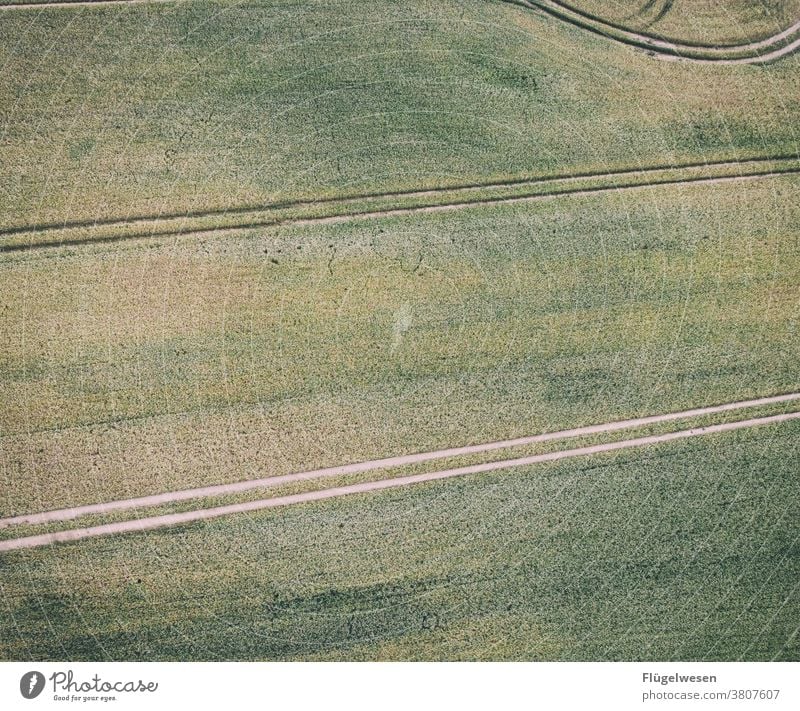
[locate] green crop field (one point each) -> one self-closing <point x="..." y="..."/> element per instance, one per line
<point x="175" y="107"/>
<point x="549" y="563"/>
<point x="250" y="239"/>
<point x="162" y="364"/>
<point x="697" y="21"/>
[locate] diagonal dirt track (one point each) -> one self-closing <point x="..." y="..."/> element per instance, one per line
<point x="707" y="168"/>
<point x="574" y="192"/>
<point x="377" y="464"/>
<point x="155" y="522"/>
<point x="303" y="212"/>
<point x="78" y="3"/>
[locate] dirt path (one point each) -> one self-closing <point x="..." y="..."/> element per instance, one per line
<point x="746" y="53"/>
<point x="376" y="464"/>
<point x="699" y="169"/>
<point x="447" y="199"/>
<point x="80" y="3"/>
<point x="759" y="52"/>
<point x="576" y="192"/>
<point x="145" y="524"/>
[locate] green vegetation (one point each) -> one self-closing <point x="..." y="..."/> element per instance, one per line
<point x="166" y="108"/>
<point x="387" y="204"/>
<point x="549" y="563"/>
<point x="708" y="22"/>
<point x="145" y="366"/>
<point x="134" y="363"/>
<point x="327" y="482"/>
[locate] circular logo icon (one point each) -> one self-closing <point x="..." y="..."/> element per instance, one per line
<point x="31" y="684"/>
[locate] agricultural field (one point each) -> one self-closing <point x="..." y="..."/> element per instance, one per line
<point x="165" y="364"/>
<point x="178" y="107"/>
<point x="254" y="240"/>
<point x="707" y="22"/>
<point x="546" y="563"/>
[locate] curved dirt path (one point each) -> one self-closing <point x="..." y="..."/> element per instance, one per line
<point x="762" y="51"/>
<point x="376" y="464"/>
<point x="673" y="41"/>
<point x="747" y="53"/>
<point x="153" y="522"/>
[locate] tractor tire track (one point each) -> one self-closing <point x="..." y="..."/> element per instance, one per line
<point x="549" y="187"/>
<point x="762" y="51"/>
<point x="745" y="53"/>
<point x="78" y="3"/>
<point x="155" y="522"/>
<point x="378" y="464"/>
